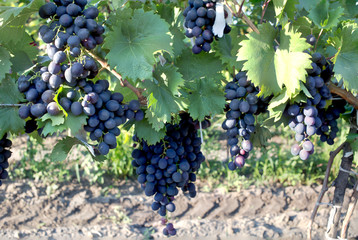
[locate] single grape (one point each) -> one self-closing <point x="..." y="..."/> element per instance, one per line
<point x="103" y="148"/>
<point x="47" y="10"/>
<point x="304" y="154"/>
<point x="295" y="149"/>
<point x="76" y="108"/>
<point x="38" y="110"/>
<point x="53" y="109"/>
<point x="24" y="112"/>
<point x="66" y="20"/>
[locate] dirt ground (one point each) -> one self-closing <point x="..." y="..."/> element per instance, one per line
<point x="84" y="211"/>
<point x="76" y="211"/>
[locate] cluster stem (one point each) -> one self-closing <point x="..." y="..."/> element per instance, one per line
<point x="123" y="82"/>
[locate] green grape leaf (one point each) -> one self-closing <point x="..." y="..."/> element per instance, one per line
<point x="270" y="69"/>
<point x="162" y="95"/>
<point x="10" y="121"/>
<point x="9" y="116"/>
<point x="306" y="4"/>
<point x="277" y="106"/>
<point x="74" y="123"/>
<point x="48" y="129"/>
<point x="305" y="26"/>
<point x="178" y="40"/>
<point x="133" y="41"/>
<point x="305" y="90"/>
<point x="195" y="66"/>
<point x="285" y="7"/>
<point x="118" y="3"/>
<point x="56" y="120"/>
<point x="5" y="63"/>
<point x="154" y="120"/>
<point x="174" y="18"/>
<point x="13" y="20"/>
<point x="345" y="42"/>
<point x="23" y="54"/>
<point x="324" y="16"/>
<point x="227" y="47"/>
<point x="144" y="130"/>
<point x="7" y="14"/>
<point x="350" y="7"/>
<point x="352" y="138"/>
<point x="170" y="76"/>
<point x="261" y="136"/>
<point x="206" y="99"/>
<point x="62" y="148"/>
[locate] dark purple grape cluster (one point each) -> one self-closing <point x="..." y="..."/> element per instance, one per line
<point x="106" y="111"/>
<point x="40" y="96"/>
<point x="313" y="117"/>
<point x="199" y="20"/>
<point x="240" y="121"/>
<point x="72" y="28"/>
<point x="170" y="164"/>
<point x="5" y="154"/>
<point x="72" y="24"/>
<point x="169" y="230"/>
<point x="329" y="129"/>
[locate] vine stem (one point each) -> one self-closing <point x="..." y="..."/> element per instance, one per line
<point x="242" y="15"/>
<point x="264" y="8"/>
<point x="349" y="97"/>
<point x="350" y="211"/>
<point x="319" y="35"/>
<point x="11" y="105"/>
<point x="324" y="189"/>
<point x="123" y="82"/>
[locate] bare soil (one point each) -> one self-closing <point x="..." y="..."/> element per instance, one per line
<point x="80" y="211"/>
<point x="84" y="211"/>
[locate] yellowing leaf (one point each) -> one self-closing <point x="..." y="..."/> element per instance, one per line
<point x="272" y="70"/>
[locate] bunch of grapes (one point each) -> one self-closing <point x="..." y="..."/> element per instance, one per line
<point x="72" y="25"/>
<point x="40" y="97"/>
<point x="72" y="28"/>
<point x="328" y="130"/>
<point x="5" y="154"/>
<point x="199" y="20"/>
<point x="168" y="165"/>
<point x="106" y="112"/>
<point x="240" y="120"/>
<point x="308" y="119"/>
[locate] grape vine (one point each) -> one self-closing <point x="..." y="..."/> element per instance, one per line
<point x="180" y="62"/>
